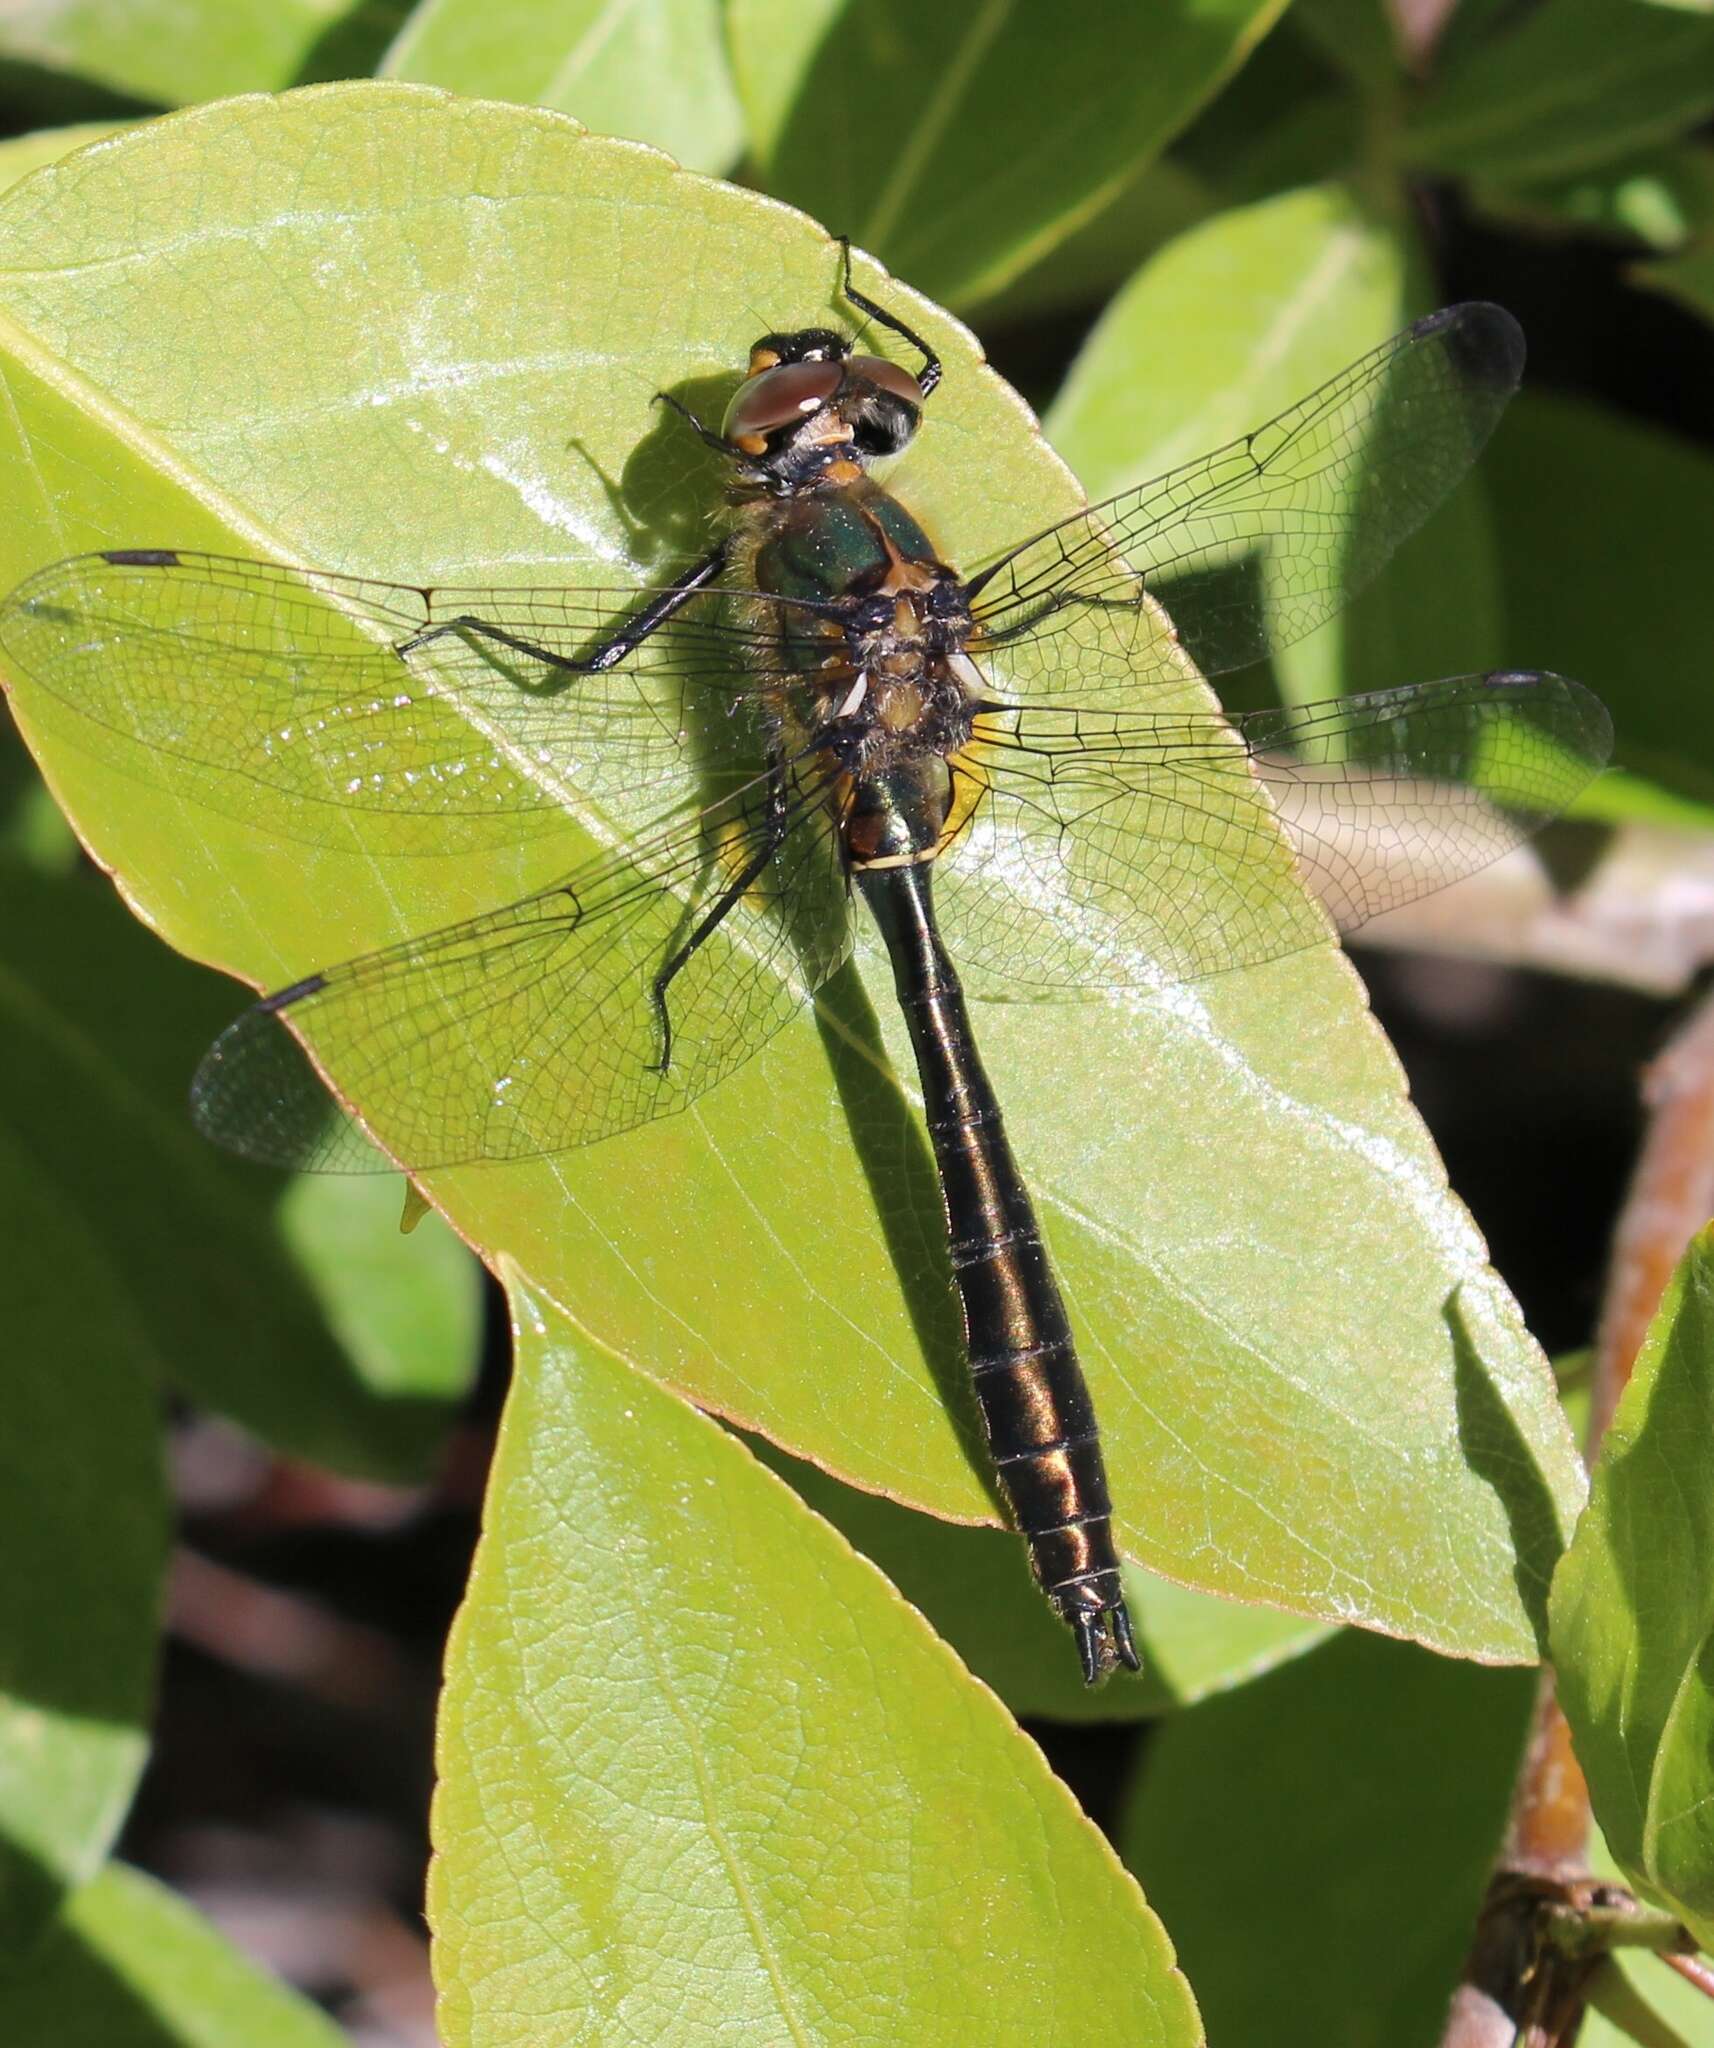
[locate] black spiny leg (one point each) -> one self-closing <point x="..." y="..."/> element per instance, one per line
<point x="773" y="833"/>
<point x="629" y="637"/>
<point x="929" y="375"/>
<point x="717" y="442"/>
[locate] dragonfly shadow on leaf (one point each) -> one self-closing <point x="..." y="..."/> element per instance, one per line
<point x="898" y="1166"/>
<point x="672" y="484"/>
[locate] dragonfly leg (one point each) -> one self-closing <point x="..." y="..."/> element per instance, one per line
<point x="929" y="375"/>
<point x="611" y="651"/>
<point x="773" y="832"/>
<point x="715" y="441"/>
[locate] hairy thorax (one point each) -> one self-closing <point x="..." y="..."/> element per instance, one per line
<point x="859" y="626"/>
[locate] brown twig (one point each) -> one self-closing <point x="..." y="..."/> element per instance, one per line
<point x="1517" y="1976"/>
<point x="1694" y="1970"/>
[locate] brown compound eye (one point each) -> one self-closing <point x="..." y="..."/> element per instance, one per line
<point x="887" y="377"/>
<point x="778" y="398"/>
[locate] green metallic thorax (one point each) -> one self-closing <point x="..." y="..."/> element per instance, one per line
<point x="834" y="544"/>
<point x="879" y="682"/>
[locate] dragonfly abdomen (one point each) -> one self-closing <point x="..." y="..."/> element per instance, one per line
<point x="1035" y="1405"/>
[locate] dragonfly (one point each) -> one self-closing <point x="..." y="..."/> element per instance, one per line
<point x="817" y="711"/>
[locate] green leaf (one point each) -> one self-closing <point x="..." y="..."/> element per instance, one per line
<point x="100" y="1028"/>
<point x="172" y="51"/>
<point x="1575" y="83"/>
<point x="962" y="142"/>
<point x="1661" y="196"/>
<point x="1620" y="799"/>
<point x="1327" y="1405"/>
<point x="1357" y="37"/>
<point x="1599" y="524"/>
<point x="1676" y="2003"/>
<point x="1688" y="278"/>
<point x="1227" y="326"/>
<point x="1328" y="1832"/>
<point x="651" y="69"/>
<point x="1287" y="118"/>
<point x="704" y="1775"/>
<point x="83" y="1534"/>
<point x="1162" y="201"/>
<point x="129" y="1965"/>
<point x="22" y="154"/>
<point x="1632" y="1613"/>
<point x="975" y="1586"/>
<point x="1223" y="328"/>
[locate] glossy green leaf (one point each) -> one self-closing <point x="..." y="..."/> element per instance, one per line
<point x="130" y="1965"/>
<point x="1162" y="201"/>
<point x="172" y="51"/>
<point x="1318" y="1842"/>
<point x="655" y="71"/>
<point x="1287" y="118"/>
<point x="1618" y="798"/>
<point x="1315" y="1393"/>
<point x="344" y="1343"/>
<point x="1362" y="40"/>
<point x="705" y="1776"/>
<point x="1661" y="197"/>
<point x="1688" y="278"/>
<point x="975" y="1586"/>
<point x="1573" y="83"/>
<point x="83" y="1535"/>
<point x="961" y="142"/>
<point x="1633" y="1610"/>
<point x="1599" y="523"/>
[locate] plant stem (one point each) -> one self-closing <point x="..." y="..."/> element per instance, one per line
<point x="1694" y="1969"/>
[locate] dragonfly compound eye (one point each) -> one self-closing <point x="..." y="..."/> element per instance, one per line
<point x="885" y="404"/>
<point x="781" y="397"/>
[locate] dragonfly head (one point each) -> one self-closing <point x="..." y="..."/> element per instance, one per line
<point x="812" y="415"/>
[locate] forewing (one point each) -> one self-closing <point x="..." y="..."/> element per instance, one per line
<point x="232" y="680"/>
<point x="1119" y="850"/>
<point x="532" y="1029"/>
<point x="1257" y="544"/>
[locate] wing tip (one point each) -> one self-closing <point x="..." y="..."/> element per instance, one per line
<point x="1486" y="340"/>
<point x="1593" y="728"/>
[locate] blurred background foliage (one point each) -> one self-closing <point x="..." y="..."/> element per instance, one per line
<point x="1163" y="223"/>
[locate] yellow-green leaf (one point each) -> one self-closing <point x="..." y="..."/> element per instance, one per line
<point x="704" y="1776"/>
<point x="381" y="330"/>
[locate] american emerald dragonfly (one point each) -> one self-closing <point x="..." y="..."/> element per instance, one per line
<point x="820" y="709"/>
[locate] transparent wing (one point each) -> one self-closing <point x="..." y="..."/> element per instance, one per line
<point x="1257" y="544"/>
<point x="229" y="678"/>
<point x="534" y="1028"/>
<point x="1119" y="850"/>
